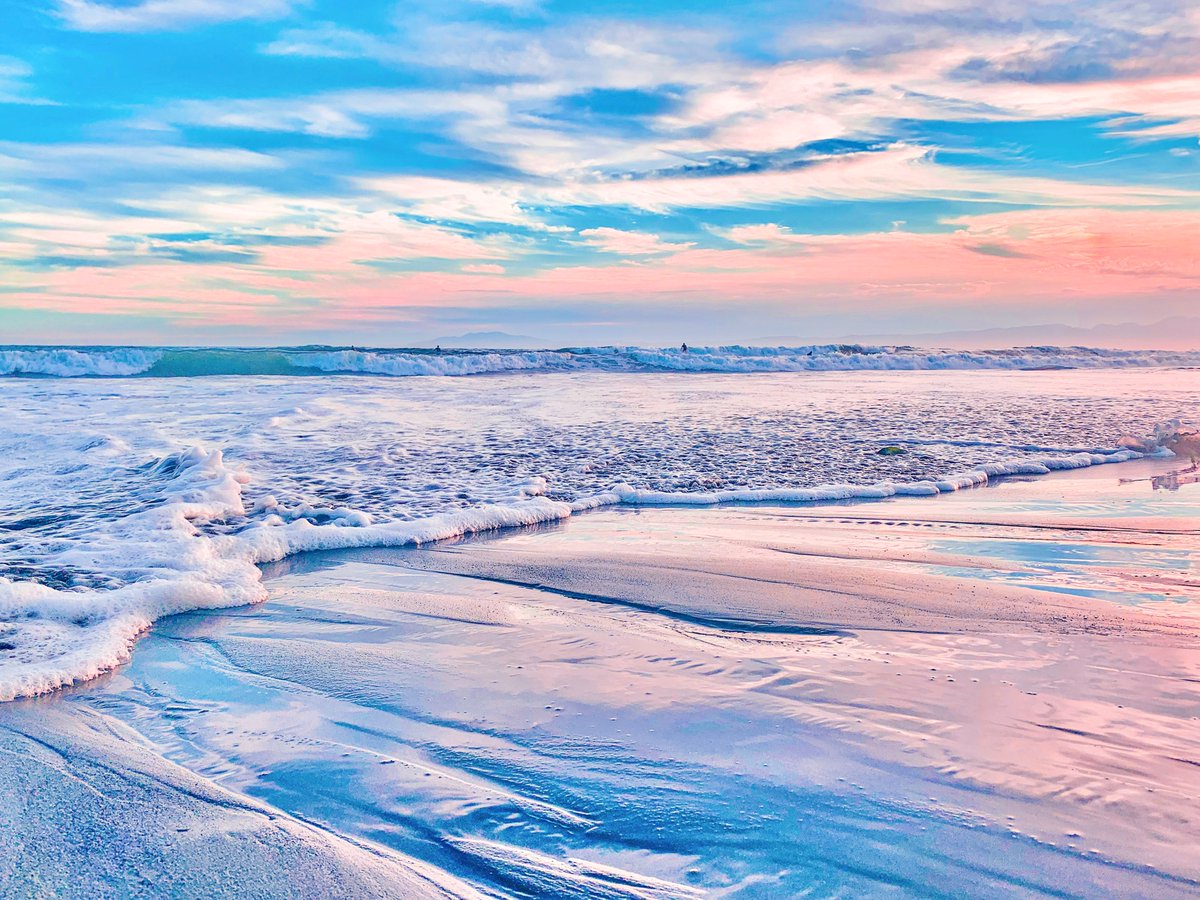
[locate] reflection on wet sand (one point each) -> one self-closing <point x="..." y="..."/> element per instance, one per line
<point x="1170" y="481"/>
<point x="927" y="697"/>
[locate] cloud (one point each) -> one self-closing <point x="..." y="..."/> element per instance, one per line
<point x="998" y="250"/>
<point x="519" y="6"/>
<point x="768" y="233"/>
<point x="453" y="160"/>
<point x="341" y="114"/>
<point x="166" y="15"/>
<point x="302" y="239"/>
<point x="503" y="89"/>
<point x="784" y="105"/>
<point x="108" y="176"/>
<point x="454" y="200"/>
<point x="574" y="53"/>
<point x="899" y="172"/>
<point x="15" y="75"/>
<point x="327" y="40"/>
<point x="630" y="243"/>
<point x="1019" y="40"/>
<point x="1078" y="255"/>
<point x="77" y="161"/>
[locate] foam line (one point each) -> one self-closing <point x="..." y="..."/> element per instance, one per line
<point x="58" y="636"/>
<point x="68" y="362"/>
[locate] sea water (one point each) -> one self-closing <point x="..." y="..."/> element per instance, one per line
<point x="140" y="482"/>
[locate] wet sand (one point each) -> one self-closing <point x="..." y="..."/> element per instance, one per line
<point x="982" y="693"/>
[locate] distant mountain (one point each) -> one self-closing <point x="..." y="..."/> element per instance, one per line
<point x="487" y="340"/>
<point x="1176" y="333"/>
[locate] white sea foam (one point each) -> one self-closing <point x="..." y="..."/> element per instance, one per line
<point x="413" y="364"/>
<point x="187" y="362"/>
<point x="127" y="503"/>
<point x="67" y="362"/>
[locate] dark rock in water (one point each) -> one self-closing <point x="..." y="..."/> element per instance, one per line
<point x="891" y="450"/>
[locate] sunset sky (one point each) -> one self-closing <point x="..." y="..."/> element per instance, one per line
<point x="269" y="171"/>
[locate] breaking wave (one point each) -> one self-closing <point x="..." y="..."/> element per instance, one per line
<point x="69" y="362"/>
<point x="126" y="502"/>
<point x="57" y="635"/>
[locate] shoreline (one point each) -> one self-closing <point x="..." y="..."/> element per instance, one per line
<point x="240" y="557"/>
<point x="460" y="723"/>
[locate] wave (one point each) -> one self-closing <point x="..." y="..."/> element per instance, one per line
<point x="67" y="362"/>
<point x="55" y="637"/>
<point x="128" y="500"/>
<point x="401" y="364"/>
<point x="168" y="362"/>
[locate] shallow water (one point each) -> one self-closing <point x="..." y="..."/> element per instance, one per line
<point x="601" y="736"/>
<point x="126" y="499"/>
<point x="973" y="692"/>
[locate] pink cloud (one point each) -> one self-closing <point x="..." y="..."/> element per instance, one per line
<point x="1010" y="260"/>
<point x="630" y="243"/>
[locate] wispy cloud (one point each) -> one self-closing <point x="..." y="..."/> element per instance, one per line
<point x="14" y="81"/>
<point x="67" y="161"/>
<point x="1080" y="254"/>
<point x="508" y="87"/>
<point x="166" y="15"/>
<point x="894" y="173"/>
<point x="360" y="164"/>
<point x="631" y="243"/>
<point x="764" y="234"/>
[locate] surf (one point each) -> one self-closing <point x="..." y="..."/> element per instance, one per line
<point x="315" y="361"/>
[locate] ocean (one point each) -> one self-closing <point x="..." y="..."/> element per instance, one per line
<point x="605" y="622"/>
<point x="140" y="482"/>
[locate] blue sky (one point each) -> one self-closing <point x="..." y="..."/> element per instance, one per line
<point x="271" y="171"/>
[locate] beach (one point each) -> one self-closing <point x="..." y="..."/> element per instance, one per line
<point x="636" y="451"/>
<point x="982" y="692"/>
<point x="129" y="498"/>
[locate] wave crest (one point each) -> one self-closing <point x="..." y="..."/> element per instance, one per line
<point x="67" y="362"/>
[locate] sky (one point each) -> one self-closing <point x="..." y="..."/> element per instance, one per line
<point x="258" y="172"/>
